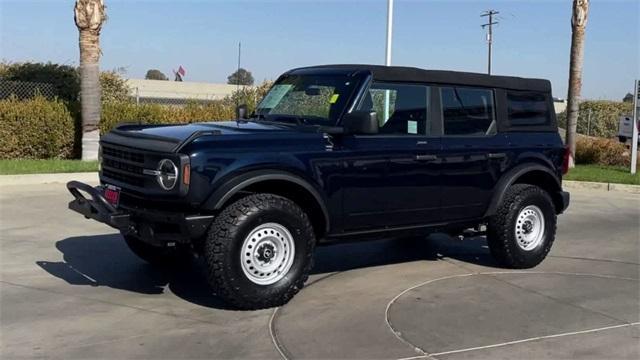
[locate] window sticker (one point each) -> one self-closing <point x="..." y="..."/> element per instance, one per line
<point x="334" y="98"/>
<point x="412" y="127"/>
<point x="275" y="95"/>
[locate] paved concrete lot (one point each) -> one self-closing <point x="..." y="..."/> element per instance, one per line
<point x="70" y="288"/>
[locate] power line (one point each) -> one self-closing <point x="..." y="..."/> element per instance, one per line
<point x="490" y="24"/>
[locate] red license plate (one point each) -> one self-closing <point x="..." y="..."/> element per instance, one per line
<point x="112" y="194"/>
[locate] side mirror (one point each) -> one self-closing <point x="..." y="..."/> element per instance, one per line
<point x="360" y="122"/>
<point x="241" y="111"/>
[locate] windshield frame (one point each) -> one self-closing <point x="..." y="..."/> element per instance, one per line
<point x="346" y="101"/>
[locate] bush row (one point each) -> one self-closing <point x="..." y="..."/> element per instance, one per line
<point x="38" y="128"/>
<point x="601" y="151"/>
<point x="604" y="115"/>
<point x="115" y="112"/>
<point x="35" y="129"/>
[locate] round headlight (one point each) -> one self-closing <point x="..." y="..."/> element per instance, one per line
<point x="167" y="174"/>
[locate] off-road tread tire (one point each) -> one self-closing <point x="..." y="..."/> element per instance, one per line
<point x="500" y="230"/>
<point x="225" y="231"/>
<point x="155" y="255"/>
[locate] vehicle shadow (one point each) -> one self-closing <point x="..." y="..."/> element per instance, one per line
<point x="105" y="260"/>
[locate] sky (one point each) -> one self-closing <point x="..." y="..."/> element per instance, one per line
<point x="532" y="38"/>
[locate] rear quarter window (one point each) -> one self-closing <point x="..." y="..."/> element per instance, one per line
<point x="528" y="109"/>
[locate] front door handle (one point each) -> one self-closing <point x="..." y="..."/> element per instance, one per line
<point x="425" y="157"/>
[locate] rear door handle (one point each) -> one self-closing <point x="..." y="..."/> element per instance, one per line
<point x="424" y="157"/>
<point x="496" y="155"/>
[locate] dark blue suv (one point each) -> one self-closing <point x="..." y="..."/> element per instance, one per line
<point x="336" y="153"/>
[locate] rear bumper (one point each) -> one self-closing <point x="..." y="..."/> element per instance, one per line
<point x="151" y="226"/>
<point x="563" y="199"/>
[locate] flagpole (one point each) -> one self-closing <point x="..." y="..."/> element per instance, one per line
<point x="238" y="72"/>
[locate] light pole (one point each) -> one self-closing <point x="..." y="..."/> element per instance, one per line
<point x="387" y="57"/>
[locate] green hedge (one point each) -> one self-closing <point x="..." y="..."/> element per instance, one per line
<point x="605" y="116"/>
<point x="35" y="129"/>
<point x="116" y="112"/>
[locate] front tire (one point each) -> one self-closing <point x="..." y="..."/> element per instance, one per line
<point x="259" y="251"/>
<point x="522" y="230"/>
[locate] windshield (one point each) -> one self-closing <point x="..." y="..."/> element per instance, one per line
<point x="307" y="99"/>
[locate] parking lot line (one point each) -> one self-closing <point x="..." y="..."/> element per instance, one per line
<point x="426" y="355"/>
<point x="537" y="338"/>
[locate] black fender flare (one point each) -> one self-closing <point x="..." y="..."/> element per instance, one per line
<point x="228" y="189"/>
<point x="510" y="177"/>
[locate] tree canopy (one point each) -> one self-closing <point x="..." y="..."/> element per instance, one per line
<point x="241" y="77"/>
<point x="155" y="74"/>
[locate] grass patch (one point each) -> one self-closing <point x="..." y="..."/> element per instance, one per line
<point x="23" y="166"/>
<point x="605" y="174"/>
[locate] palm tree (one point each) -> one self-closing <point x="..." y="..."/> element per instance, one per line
<point x="578" y="25"/>
<point x="89" y="17"/>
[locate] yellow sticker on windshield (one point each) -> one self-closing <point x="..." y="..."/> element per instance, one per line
<point x="334" y="98"/>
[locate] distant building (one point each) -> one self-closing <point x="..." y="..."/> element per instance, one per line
<point x="177" y="92"/>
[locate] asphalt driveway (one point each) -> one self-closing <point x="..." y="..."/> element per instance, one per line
<point x="70" y="288"/>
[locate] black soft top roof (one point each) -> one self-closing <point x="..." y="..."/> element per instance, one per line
<point x="412" y="74"/>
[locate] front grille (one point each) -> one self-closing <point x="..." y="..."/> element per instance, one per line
<point x="123" y="165"/>
<point x="126" y="155"/>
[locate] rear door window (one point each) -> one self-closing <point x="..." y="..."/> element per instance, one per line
<point x="528" y="109"/>
<point x="467" y="111"/>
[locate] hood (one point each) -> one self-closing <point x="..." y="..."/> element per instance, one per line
<point x="169" y="138"/>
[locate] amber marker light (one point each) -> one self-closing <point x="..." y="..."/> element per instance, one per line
<point x="186" y="174"/>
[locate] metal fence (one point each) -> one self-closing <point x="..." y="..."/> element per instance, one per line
<point x="26" y="90"/>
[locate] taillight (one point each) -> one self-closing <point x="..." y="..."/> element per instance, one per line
<point x="565" y="160"/>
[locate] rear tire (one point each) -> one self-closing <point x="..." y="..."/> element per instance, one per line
<point x="522" y="230"/>
<point x="259" y="251"/>
<point x="155" y="255"/>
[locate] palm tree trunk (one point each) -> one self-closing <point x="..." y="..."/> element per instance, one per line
<point x="578" y="24"/>
<point x="90" y="93"/>
<point x="89" y="16"/>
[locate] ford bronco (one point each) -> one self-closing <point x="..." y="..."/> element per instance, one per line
<point x="336" y="153"/>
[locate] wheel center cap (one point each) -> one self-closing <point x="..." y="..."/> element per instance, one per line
<point x="266" y="252"/>
<point x="527" y="227"/>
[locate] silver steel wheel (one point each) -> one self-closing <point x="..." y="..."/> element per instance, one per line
<point x="529" y="229"/>
<point x="267" y="253"/>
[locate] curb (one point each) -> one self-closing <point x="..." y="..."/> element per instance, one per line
<point x="38" y="179"/>
<point x="571" y="184"/>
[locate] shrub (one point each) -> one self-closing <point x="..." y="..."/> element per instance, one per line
<point x="114" y="87"/>
<point x="36" y="128"/>
<point x="250" y="96"/>
<point x="605" y="116"/>
<point x="117" y="112"/>
<point x="64" y="78"/>
<point x="601" y="151"/>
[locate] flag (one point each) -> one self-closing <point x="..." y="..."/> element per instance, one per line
<point x="182" y="71"/>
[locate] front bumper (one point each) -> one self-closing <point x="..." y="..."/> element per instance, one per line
<point x="151" y="226"/>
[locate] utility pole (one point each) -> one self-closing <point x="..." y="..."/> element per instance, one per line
<point x="490" y="24"/>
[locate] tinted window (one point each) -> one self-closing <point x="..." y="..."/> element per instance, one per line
<point x="406" y="112"/>
<point x="528" y="109"/>
<point x="467" y="111"/>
